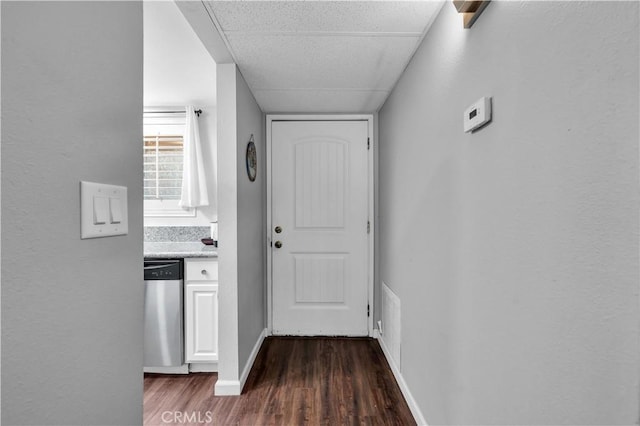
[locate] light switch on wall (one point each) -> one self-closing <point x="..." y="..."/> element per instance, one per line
<point x="115" y="209"/>
<point x="103" y="210"/>
<point x="100" y="206"/>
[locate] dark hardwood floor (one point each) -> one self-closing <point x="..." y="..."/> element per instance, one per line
<point x="294" y="381"/>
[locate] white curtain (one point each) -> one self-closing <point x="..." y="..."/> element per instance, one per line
<point x="194" y="183"/>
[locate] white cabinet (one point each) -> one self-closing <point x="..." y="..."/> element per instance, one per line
<point x="201" y="310"/>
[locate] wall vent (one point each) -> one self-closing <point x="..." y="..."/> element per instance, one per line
<point x="391" y="322"/>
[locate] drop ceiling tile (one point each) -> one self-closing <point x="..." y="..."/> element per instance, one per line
<point x="276" y="62"/>
<point x="320" y="101"/>
<point x="341" y="16"/>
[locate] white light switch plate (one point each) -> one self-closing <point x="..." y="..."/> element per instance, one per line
<point x="103" y="210"/>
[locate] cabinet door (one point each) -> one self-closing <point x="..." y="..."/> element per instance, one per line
<point x="201" y="312"/>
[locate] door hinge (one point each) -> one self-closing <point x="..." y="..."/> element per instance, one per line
<point x="368" y="143"/>
<point x="368" y="310"/>
<point x="368" y="227"/>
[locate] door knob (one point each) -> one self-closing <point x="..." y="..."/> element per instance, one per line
<point x="278" y="244"/>
<point x="278" y="229"/>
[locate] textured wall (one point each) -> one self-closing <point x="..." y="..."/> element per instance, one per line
<point x="252" y="206"/>
<point x="514" y="250"/>
<point x="228" y="369"/>
<point x="71" y="309"/>
<point x="241" y="223"/>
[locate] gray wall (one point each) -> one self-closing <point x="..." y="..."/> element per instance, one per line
<point x="228" y="369"/>
<point x="71" y="308"/>
<point x="252" y="201"/>
<point x="242" y="211"/>
<point x="514" y="250"/>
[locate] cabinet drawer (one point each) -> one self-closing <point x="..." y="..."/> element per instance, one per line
<point x="200" y="270"/>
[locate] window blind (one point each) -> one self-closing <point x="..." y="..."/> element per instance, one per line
<point x="162" y="167"/>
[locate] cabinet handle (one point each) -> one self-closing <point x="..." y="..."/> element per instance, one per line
<point x="203" y="272"/>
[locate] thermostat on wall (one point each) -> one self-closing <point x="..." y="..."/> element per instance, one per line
<point x="478" y="114"/>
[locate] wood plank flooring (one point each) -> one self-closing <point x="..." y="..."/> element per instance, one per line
<point x="294" y="381"/>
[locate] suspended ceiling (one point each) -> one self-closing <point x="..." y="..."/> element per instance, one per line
<point x="314" y="56"/>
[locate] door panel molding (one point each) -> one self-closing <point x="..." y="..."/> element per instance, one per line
<point x="324" y="221"/>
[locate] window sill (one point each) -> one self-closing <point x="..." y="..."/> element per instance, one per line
<point x="166" y="208"/>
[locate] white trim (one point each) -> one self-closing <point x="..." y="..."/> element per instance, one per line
<point x="268" y="230"/>
<point x="411" y="402"/>
<point x="181" y="369"/>
<point x="234" y="387"/>
<point x="252" y="359"/>
<point x="203" y="367"/>
<point x="321" y="117"/>
<point x="166" y="208"/>
<point x="372" y="223"/>
<point x="227" y="388"/>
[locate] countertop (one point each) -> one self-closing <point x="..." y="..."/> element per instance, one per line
<point x="171" y="250"/>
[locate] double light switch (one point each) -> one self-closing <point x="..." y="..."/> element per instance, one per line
<point x="103" y="210"/>
<point x="106" y="210"/>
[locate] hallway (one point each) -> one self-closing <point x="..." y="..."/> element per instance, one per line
<point x="293" y="381"/>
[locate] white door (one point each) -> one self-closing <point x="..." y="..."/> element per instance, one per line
<point x="319" y="199"/>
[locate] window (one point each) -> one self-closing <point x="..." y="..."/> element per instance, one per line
<point x="162" y="167"/>
<point x="163" y="157"/>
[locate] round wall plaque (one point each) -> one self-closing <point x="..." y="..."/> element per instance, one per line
<point x="252" y="160"/>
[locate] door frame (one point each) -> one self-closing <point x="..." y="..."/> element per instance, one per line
<point x="270" y="118"/>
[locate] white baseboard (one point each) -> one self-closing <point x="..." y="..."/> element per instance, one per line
<point x="234" y="387"/>
<point x="182" y="369"/>
<point x="252" y="359"/>
<point x="227" y="388"/>
<point x="411" y="402"/>
<point x="203" y="367"/>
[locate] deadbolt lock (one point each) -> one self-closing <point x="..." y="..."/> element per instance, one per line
<point x="278" y="244"/>
<point x="278" y="229"/>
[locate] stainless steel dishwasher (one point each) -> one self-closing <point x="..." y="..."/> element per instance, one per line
<point x="163" y="326"/>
